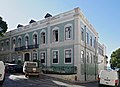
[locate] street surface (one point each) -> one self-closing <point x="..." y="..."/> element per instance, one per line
<point x="20" y="80"/>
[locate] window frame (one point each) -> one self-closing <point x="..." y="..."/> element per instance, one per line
<point x="53" y="58"/>
<point x="91" y="42"/>
<point x="44" y="55"/>
<point x="41" y="41"/>
<point x="82" y="56"/>
<point x="68" y="32"/>
<point x="71" y="55"/>
<point x="54" y="29"/>
<point x="34" y="52"/>
<point x="19" y="43"/>
<point x="13" y="44"/>
<point x="82" y="34"/>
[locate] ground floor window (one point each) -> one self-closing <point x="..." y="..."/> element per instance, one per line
<point x="42" y="56"/>
<point x="55" y="56"/>
<point x="34" y="56"/>
<point x="68" y="55"/>
<point x="27" y="57"/>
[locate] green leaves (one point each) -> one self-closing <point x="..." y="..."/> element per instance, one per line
<point x="3" y="25"/>
<point x="115" y="59"/>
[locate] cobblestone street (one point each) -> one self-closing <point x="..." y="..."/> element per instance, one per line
<point x="43" y="81"/>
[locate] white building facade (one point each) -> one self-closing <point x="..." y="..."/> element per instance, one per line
<point x="65" y="43"/>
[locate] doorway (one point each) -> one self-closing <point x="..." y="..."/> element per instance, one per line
<point x="27" y="57"/>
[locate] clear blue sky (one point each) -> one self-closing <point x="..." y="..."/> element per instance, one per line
<point x="104" y="15"/>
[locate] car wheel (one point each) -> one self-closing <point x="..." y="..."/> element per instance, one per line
<point x="26" y="75"/>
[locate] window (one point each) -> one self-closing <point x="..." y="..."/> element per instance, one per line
<point x="68" y="32"/>
<point x="19" y="42"/>
<point x="95" y="42"/>
<point x="43" y="38"/>
<point x="55" y="56"/>
<point x="90" y="40"/>
<point x="94" y="59"/>
<point x="34" y="56"/>
<point x="68" y="56"/>
<point x="13" y="42"/>
<point x="87" y="38"/>
<point x="2" y="45"/>
<point x="87" y="57"/>
<point x="43" y="58"/>
<point x="26" y="41"/>
<point x="82" y="56"/>
<point x="55" y="35"/>
<point x="35" y="39"/>
<point x="7" y="45"/>
<point x="82" y="34"/>
<point x="91" y="58"/>
<point x="100" y="51"/>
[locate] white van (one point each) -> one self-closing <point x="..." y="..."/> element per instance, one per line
<point x="108" y="78"/>
<point x="2" y="72"/>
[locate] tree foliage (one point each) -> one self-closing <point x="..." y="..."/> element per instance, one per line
<point x="115" y="59"/>
<point x="3" y="25"/>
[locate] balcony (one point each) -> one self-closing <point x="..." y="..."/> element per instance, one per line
<point x="27" y="47"/>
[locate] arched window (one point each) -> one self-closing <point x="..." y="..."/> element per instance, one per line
<point x="68" y="31"/>
<point x="35" y="39"/>
<point x="82" y="56"/>
<point x="26" y="41"/>
<point x="13" y="43"/>
<point x="7" y="44"/>
<point x="55" y="34"/>
<point x="19" y="42"/>
<point x="42" y="37"/>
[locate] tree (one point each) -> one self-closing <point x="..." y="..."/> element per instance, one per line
<point x="3" y="26"/>
<point x="115" y="59"/>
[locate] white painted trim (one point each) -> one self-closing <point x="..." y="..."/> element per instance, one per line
<point x="45" y="56"/>
<point x="71" y="55"/>
<point x="34" y="34"/>
<point x="24" y="55"/>
<point x="45" y="36"/>
<point x="67" y="25"/>
<point x="7" y="40"/>
<point x="36" y="51"/>
<point x="58" y="56"/>
<point x="55" y="28"/>
<point x="18" y="40"/>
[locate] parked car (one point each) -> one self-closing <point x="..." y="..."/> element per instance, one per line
<point x="2" y="72"/>
<point x="31" y="68"/>
<point x="13" y="68"/>
<point x="108" y="78"/>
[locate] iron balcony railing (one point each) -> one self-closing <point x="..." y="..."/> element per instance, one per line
<point x="27" y="47"/>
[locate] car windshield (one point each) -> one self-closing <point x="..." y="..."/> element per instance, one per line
<point x="31" y="65"/>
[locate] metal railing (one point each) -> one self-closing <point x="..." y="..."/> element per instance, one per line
<point x="27" y="47"/>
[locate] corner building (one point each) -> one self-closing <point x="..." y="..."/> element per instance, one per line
<point x="65" y="43"/>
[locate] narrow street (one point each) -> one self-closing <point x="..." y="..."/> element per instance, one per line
<point x="43" y="81"/>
